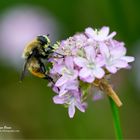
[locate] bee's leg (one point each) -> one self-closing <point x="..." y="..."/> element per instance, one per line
<point x="44" y="56"/>
<point x="59" y="54"/>
<point x="42" y="67"/>
<point x="43" y="70"/>
<point x="51" y="50"/>
<point x="49" y="78"/>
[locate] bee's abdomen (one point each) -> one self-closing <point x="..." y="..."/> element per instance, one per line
<point x="37" y="74"/>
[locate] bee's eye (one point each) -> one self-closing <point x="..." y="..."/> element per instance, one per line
<point x="42" y="40"/>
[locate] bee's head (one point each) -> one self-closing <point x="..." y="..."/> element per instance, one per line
<point x="44" y="40"/>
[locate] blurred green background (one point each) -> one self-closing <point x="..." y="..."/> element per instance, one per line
<point x="28" y="106"/>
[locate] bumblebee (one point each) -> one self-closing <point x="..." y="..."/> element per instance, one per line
<point x="34" y="53"/>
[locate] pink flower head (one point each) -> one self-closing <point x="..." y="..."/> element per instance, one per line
<point x="88" y="58"/>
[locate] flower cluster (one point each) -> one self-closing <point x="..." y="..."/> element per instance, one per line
<point x="88" y="58"/>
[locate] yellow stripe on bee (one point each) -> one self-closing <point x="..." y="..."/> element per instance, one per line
<point x="37" y="74"/>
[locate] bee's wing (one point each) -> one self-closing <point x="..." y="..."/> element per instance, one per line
<point x="24" y="71"/>
<point x="25" y="66"/>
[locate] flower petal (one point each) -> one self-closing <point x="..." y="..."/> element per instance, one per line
<point x="62" y="80"/>
<point x="98" y="72"/>
<point x="89" y="32"/>
<point x="104" y="50"/>
<point x="63" y="89"/>
<point x="117" y="52"/>
<point x="121" y="64"/>
<point x="111" y="69"/>
<point x="128" y="58"/>
<point x="73" y="85"/>
<point x="90" y="53"/>
<point x="55" y="89"/>
<point x="81" y="62"/>
<point x="58" y="68"/>
<point x="71" y="110"/>
<point x="84" y="72"/>
<point x="104" y="31"/>
<point x="111" y="35"/>
<point x="58" y="100"/>
<point x="80" y="106"/>
<point x="88" y="79"/>
<point x="100" y="61"/>
<point x="62" y="92"/>
<point x="69" y="62"/>
<point x="75" y="74"/>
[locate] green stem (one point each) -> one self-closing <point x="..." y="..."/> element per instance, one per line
<point x="116" y="120"/>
